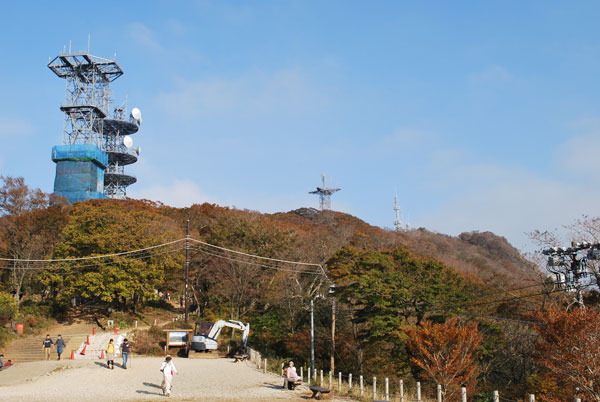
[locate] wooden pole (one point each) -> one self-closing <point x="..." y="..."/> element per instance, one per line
<point x="439" y="393"/>
<point x="362" y="390"/>
<point x="312" y="336"/>
<point x="374" y="387"/>
<point x="332" y="334"/>
<point x="187" y="269"/>
<point x="401" y="390"/>
<point x="463" y="394"/>
<point x="387" y="389"/>
<point x="418" y="391"/>
<point x="496" y="396"/>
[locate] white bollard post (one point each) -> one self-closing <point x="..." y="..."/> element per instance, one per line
<point x="496" y="396"/>
<point x="135" y="324"/>
<point x="265" y="366"/>
<point x="387" y="389"/>
<point x="463" y="393"/>
<point x="302" y="373"/>
<point x="349" y="382"/>
<point x="577" y="399"/>
<point x="339" y="382"/>
<point x="321" y="378"/>
<point x="374" y="387"/>
<point x="418" y="391"/>
<point x="401" y="390"/>
<point x="308" y="369"/>
<point x="362" y="390"/>
<point x="531" y="398"/>
<point x="439" y="393"/>
<point x="330" y="381"/>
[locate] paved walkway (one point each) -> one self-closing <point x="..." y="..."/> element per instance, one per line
<point x="86" y="380"/>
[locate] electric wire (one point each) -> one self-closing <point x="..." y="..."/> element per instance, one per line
<point x="93" y="257"/>
<point x="257" y="256"/>
<point x="253" y="263"/>
<point x="45" y="268"/>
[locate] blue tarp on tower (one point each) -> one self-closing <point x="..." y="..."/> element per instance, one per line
<point x="79" y="171"/>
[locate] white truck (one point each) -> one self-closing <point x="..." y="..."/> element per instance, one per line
<point x="206" y="334"/>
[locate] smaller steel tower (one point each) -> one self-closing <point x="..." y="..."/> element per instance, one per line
<point x="324" y="194"/>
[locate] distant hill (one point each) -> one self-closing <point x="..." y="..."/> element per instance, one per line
<point x="317" y="235"/>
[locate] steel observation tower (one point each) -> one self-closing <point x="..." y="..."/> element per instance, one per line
<point x="97" y="145"/>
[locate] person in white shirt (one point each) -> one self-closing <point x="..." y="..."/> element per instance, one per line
<point x="168" y="369"/>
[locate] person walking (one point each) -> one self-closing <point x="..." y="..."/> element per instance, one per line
<point x="125" y="350"/>
<point x="60" y="345"/>
<point x="168" y="369"/>
<point x="110" y="355"/>
<point x="47" y="346"/>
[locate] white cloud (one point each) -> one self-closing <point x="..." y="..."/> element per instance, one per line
<point x="581" y="155"/>
<point x="181" y="193"/>
<point x="254" y="93"/>
<point x="144" y="36"/>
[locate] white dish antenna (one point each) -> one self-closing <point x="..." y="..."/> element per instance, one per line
<point x="137" y="115"/>
<point x="139" y="151"/>
<point x="127" y="141"/>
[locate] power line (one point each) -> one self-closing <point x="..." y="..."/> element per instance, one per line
<point x="253" y="263"/>
<point x="45" y="268"/>
<point x="257" y="256"/>
<point x="92" y="257"/>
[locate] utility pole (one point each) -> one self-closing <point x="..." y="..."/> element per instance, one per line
<point x="312" y="337"/>
<point x="187" y="268"/>
<point x="332" y="334"/>
<point x="570" y="266"/>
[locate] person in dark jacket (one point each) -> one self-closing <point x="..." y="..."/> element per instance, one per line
<point x="60" y="345"/>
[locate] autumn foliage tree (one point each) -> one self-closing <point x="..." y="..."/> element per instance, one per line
<point x="29" y="230"/>
<point x="569" y="349"/>
<point x="446" y="353"/>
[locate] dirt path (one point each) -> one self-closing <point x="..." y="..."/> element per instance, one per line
<point x="203" y="379"/>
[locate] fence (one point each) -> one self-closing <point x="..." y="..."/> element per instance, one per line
<point x="358" y="387"/>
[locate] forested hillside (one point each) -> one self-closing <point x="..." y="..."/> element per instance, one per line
<point x="390" y="288"/>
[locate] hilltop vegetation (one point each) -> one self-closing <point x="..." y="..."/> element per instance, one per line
<point x="386" y="283"/>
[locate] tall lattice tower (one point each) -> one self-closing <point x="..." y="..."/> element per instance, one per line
<point x="324" y="194"/>
<point x="96" y="146"/>
<point x="398" y="224"/>
<point x="401" y="222"/>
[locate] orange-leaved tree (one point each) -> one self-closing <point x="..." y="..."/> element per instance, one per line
<point x="569" y="348"/>
<point x="446" y="353"/>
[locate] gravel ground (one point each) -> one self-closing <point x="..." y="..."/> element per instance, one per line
<point x="199" y="379"/>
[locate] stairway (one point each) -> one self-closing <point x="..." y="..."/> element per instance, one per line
<point x="30" y="348"/>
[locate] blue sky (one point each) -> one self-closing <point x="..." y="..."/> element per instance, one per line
<point x="481" y="115"/>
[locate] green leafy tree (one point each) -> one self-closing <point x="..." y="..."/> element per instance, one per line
<point x="388" y="290"/>
<point x="103" y="227"/>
